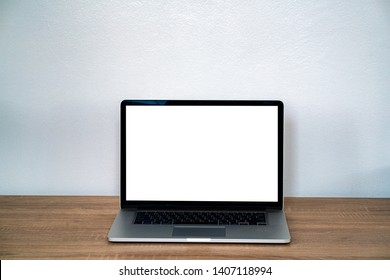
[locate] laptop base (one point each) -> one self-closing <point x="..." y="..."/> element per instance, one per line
<point x="124" y="230"/>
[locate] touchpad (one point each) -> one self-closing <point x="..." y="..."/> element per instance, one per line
<point x="193" y="231"/>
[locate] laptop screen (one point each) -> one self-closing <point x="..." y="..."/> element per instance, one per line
<point x="206" y="151"/>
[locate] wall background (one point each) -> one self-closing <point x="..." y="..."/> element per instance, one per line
<point x="66" y="65"/>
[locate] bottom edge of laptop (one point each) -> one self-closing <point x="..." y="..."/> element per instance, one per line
<point x="200" y="240"/>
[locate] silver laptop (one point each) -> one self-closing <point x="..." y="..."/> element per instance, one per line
<point x="201" y="171"/>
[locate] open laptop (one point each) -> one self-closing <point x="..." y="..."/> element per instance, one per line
<point x="201" y="171"/>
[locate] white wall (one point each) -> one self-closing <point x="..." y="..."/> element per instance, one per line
<point x="66" y="65"/>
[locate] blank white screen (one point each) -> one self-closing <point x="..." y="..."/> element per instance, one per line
<point x="201" y="153"/>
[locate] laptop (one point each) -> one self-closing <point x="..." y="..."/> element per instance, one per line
<point x="201" y="171"/>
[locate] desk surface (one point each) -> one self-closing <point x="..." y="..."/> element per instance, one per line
<point x="52" y="227"/>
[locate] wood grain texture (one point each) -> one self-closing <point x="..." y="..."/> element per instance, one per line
<point x="53" y="227"/>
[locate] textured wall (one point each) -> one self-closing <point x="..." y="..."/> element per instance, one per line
<point x="66" y="65"/>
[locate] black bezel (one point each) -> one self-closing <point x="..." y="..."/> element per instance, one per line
<point x="200" y="205"/>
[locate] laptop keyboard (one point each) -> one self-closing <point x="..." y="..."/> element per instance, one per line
<point x="210" y="218"/>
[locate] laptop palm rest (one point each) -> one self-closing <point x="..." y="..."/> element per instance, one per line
<point x="199" y="231"/>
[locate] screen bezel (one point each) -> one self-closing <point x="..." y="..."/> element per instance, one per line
<point x="197" y="205"/>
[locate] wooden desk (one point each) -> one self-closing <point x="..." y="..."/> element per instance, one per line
<point x="38" y="227"/>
